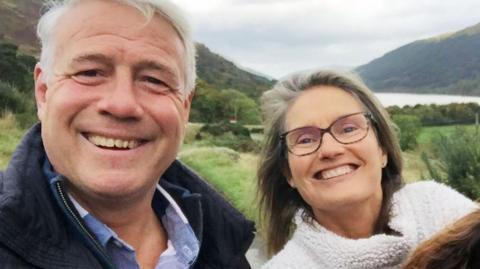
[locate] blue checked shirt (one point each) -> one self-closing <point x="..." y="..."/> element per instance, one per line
<point x="182" y="246"/>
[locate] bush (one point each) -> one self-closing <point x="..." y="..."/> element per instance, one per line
<point x="225" y="127"/>
<point x="230" y="135"/>
<point x="410" y="127"/>
<point x="10" y="98"/>
<point x="458" y="161"/>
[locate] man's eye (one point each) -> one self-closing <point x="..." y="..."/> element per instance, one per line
<point x="88" y="73"/>
<point x="156" y="85"/>
<point x="89" y="77"/>
<point x="153" y="80"/>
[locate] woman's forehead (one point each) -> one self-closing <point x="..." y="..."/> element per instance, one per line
<point x="320" y="106"/>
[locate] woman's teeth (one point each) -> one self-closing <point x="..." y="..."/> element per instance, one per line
<point x="337" y="171"/>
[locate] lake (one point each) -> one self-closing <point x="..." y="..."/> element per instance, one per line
<point x="402" y="99"/>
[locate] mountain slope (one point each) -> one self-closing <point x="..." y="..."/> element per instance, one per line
<point x="448" y="63"/>
<point x="223" y="74"/>
<point x="17" y="23"/>
<point x="18" y="20"/>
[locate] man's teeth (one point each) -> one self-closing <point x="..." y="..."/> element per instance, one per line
<point x="113" y="143"/>
<point x="338" y="171"/>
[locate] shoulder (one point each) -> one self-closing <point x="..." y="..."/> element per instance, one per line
<point x="292" y="256"/>
<point x="432" y="204"/>
<point x="308" y="248"/>
<point x="432" y="193"/>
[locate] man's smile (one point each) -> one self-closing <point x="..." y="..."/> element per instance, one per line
<point x="113" y="143"/>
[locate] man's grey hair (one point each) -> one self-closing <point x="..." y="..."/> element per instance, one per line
<point x="49" y="21"/>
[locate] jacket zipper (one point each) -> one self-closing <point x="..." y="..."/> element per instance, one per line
<point x="82" y="227"/>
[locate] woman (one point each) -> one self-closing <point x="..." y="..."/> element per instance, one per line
<point x="330" y="179"/>
<point x="455" y="247"/>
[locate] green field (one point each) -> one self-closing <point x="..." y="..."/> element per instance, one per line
<point x="428" y="132"/>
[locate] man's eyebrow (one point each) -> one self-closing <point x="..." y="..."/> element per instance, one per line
<point x="153" y="65"/>
<point x="94" y="57"/>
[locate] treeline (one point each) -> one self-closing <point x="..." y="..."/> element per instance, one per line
<point x="211" y="105"/>
<point x="16" y="84"/>
<point x="437" y="115"/>
<point x="411" y="119"/>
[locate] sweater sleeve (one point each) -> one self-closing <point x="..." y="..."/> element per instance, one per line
<point x="437" y="205"/>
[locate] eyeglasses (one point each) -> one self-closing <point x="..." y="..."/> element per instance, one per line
<point x="347" y="129"/>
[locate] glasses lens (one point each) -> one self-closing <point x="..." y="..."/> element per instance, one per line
<point x="350" y="129"/>
<point x="303" y="140"/>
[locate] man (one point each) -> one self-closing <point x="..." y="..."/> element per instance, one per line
<point x="96" y="183"/>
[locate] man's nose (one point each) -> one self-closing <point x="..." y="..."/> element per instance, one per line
<point x="121" y="100"/>
<point x="329" y="147"/>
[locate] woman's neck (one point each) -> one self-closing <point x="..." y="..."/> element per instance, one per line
<point x="352" y="221"/>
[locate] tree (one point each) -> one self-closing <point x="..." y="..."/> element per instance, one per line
<point x="410" y="127"/>
<point x="458" y="161"/>
<point x="16" y="69"/>
<point x="212" y="106"/>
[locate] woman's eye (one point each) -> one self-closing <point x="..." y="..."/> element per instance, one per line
<point x="305" y="140"/>
<point x="349" y="129"/>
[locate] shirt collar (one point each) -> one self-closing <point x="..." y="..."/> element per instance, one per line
<point x="182" y="241"/>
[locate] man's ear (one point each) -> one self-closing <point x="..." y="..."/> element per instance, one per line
<point x="187" y="103"/>
<point x="39" y="77"/>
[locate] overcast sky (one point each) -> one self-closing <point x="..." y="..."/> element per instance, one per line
<point x="276" y="37"/>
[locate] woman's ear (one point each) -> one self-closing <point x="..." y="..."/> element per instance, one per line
<point x="384" y="158"/>
<point x="286" y="173"/>
<point x="291" y="182"/>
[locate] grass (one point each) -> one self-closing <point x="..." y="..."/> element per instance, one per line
<point x="230" y="172"/>
<point x="10" y="136"/>
<point x="414" y="167"/>
<point x="428" y="132"/>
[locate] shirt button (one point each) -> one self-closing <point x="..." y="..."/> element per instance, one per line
<point x="187" y="251"/>
<point x="117" y="243"/>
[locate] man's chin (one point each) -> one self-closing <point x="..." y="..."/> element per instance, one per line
<point x="116" y="185"/>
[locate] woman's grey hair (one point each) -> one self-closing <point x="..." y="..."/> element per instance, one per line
<point x="49" y="21"/>
<point x="278" y="201"/>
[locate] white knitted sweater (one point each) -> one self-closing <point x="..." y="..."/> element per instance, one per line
<point x="418" y="211"/>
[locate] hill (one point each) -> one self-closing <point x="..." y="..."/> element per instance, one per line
<point x="223" y="74"/>
<point x="448" y="63"/>
<point x="17" y="23"/>
<point x="18" y="19"/>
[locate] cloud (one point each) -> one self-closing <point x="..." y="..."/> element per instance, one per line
<point x="280" y="36"/>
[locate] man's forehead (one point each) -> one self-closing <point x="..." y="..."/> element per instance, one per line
<point x="109" y="15"/>
<point x="125" y="23"/>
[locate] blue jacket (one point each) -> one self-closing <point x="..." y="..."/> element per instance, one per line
<point x="39" y="228"/>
